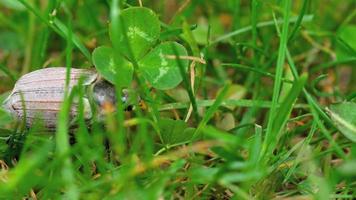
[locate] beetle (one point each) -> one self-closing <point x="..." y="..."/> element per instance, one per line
<point x="39" y="95"/>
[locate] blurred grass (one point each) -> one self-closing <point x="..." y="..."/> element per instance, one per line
<point x="283" y="144"/>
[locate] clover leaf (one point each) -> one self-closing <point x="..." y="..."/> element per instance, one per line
<point x="160" y="66"/>
<point x="142" y="29"/>
<point x="157" y="63"/>
<point x="175" y="131"/>
<point x="109" y="66"/>
<point x="344" y="117"/>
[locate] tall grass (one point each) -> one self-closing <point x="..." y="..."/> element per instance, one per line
<point x="259" y="128"/>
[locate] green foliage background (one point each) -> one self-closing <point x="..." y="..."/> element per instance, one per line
<point x="271" y="113"/>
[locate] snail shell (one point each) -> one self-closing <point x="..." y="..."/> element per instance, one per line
<point x="40" y="94"/>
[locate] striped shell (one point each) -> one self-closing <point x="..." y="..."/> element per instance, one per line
<point x="43" y="92"/>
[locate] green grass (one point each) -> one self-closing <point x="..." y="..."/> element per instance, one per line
<point x="259" y="127"/>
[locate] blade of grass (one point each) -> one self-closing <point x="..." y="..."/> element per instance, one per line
<point x="254" y="15"/>
<point x="118" y="139"/>
<point x="270" y="134"/>
<point x="280" y="120"/>
<point x="8" y="72"/>
<point x="300" y="154"/>
<point x="333" y="63"/>
<point x="59" y="28"/>
<point x="194" y="77"/>
<point x="314" y="84"/>
<point x="323" y="129"/>
<point x="316" y="110"/>
<point x="254" y="69"/>
<point x="40" y="47"/>
<point x="236" y="9"/>
<point x="43" y="38"/>
<point x="311" y="100"/>
<point x="62" y="139"/>
<point x="255" y="149"/>
<point x="250" y="115"/>
<point x="76" y="41"/>
<point x="68" y="60"/>
<point x="186" y="84"/>
<point x="306" y="18"/>
<point x="24" y="171"/>
<point x="299" y="21"/>
<point x="257" y="49"/>
<point x="26" y="65"/>
<point x="228" y="102"/>
<point x="210" y="112"/>
<point x="196" y="53"/>
<point x="82" y="135"/>
<point x="286" y="106"/>
<point x="63" y="148"/>
<point x="4" y="21"/>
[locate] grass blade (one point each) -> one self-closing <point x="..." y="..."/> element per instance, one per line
<point x="62" y="139"/>
<point x="210" y="112"/>
<point x="76" y="41"/>
<point x="186" y="84"/>
<point x="284" y="111"/>
<point x="229" y="102"/>
<point x="270" y="134"/>
<point x="306" y="18"/>
<point x="59" y="28"/>
<point x="299" y="21"/>
<point x="7" y="72"/>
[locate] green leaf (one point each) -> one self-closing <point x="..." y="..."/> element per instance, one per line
<point x="109" y="66"/>
<point x="160" y="67"/>
<point x="142" y="27"/>
<point x="346" y="46"/>
<point x="344" y="117"/>
<point x="175" y="131"/>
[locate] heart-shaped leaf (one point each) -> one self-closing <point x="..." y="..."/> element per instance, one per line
<point x="109" y="66"/>
<point x="175" y="131"/>
<point x="344" y="116"/>
<point x="142" y="28"/>
<point x="160" y="66"/>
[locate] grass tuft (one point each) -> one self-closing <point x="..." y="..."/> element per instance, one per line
<point x="252" y="118"/>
